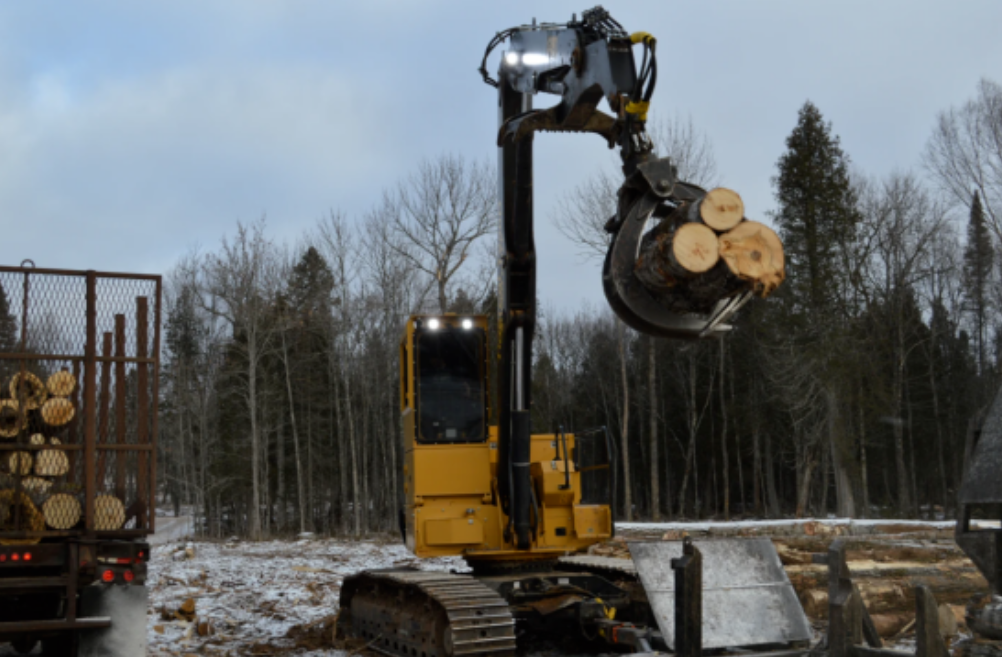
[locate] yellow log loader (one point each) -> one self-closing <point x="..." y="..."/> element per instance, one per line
<point x="521" y="507"/>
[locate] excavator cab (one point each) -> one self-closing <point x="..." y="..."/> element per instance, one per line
<point x="451" y="472"/>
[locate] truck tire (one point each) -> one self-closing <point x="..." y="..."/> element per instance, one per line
<point x="126" y="606"/>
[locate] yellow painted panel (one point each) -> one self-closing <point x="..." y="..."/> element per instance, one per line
<point x="451" y="470"/>
<point x="592" y="521"/>
<point x="454" y="531"/>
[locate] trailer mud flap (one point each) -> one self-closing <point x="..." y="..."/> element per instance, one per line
<point x="747" y="598"/>
<point x="126" y="606"/>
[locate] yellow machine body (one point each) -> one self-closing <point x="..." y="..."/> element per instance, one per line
<point x="450" y="484"/>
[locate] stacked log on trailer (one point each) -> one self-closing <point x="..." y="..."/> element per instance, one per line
<point x="37" y="414"/>
<point x="705" y="251"/>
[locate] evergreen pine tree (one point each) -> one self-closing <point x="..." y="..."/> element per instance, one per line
<point x="817" y="213"/>
<point x="8" y="325"/>
<point x="978" y="261"/>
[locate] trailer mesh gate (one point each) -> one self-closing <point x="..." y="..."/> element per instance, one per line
<point x="79" y="371"/>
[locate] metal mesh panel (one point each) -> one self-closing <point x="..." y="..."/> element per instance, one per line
<point x="78" y="400"/>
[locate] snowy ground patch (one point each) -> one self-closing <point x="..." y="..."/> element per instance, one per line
<point x="249" y="595"/>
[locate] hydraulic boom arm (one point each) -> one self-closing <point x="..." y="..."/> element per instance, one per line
<point x="583" y="62"/>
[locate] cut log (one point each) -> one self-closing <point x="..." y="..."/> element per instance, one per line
<point x="109" y="513"/>
<point x="61" y="384"/>
<point x="29" y="390"/>
<point x="52" y="462"/>
<point x="15" y="504"/>
<point x="753" y="253"/>
<point x="57" y="412"/>
<point x="19" y="463"/>
<point x="11" y="419"/>
<point x="61" y="511"/>
<point x="721" y="209"/>
<point x="669" y="256"/>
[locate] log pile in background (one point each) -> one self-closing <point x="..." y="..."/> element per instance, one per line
<point x="32" y="481"/>
<point x="707" y="251"/>
<point x="887" y="562"/>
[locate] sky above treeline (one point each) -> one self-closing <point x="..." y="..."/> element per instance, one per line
<point x="132" y="132"/>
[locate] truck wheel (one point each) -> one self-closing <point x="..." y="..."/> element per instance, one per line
<point x="24" y="645"/>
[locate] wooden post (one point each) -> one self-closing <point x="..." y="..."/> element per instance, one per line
<point x="121" y="393"/>
<point x="928" y="640"/>
<point x="688" y="601"/>
<point x="90" y="399"/>
<point x="156" y="396"/>
<point x="71" y="433"/>
<point x="142" y="399"/>
<point x="102" y="460"/>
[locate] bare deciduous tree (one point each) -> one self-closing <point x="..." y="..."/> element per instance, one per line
<point x="439" y="214"/>
<point x="965" y="151"/>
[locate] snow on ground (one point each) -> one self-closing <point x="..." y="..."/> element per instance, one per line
<point x="253" y="593"/>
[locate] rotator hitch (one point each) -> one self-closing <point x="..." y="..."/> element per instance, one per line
<point x="585" y="61"/>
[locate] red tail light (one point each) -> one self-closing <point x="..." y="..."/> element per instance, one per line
<point x="3" y="557"/>
<point x="123" y="561"/>
<point x="27" y="556"/>
<point x="108" y="576"/>
<point x="15" y="557"/>
<point x="129" y="576"/>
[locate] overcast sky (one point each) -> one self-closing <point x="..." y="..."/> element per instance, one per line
<point x="131" y="131"/>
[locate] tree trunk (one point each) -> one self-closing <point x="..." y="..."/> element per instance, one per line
<point x="770" y="479"/>
<point x="625" y="422"/>
<point x="295" y="439"/>
<point x="255" y="514"/>
<point x="653" y="402"/>
<point x="723" y="432"/>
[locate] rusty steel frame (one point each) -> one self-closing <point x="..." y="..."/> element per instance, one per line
<point x="147" y="364"/>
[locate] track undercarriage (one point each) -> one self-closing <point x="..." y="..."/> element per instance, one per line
<point x="412" y="613"/>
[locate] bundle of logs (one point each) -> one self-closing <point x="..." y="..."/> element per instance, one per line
<point x="706" y="251"/>
<point x="35" y="493"/>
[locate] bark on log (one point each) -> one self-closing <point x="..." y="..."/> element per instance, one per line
<point x="109" y="513"/>
<point x="57" y="412"/>
<point x="668" y="256"/>
<point x="28" y="390"/>
<point x="31" y="517"/>
<point x="753" y="253"/>
<point x="11" y="419"/>
<point x="61" y="384"/>
<point x="721" y="209"/>
<point x="62" y="511"/>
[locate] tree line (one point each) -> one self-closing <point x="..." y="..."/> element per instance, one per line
<point x="853" y="390"/>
